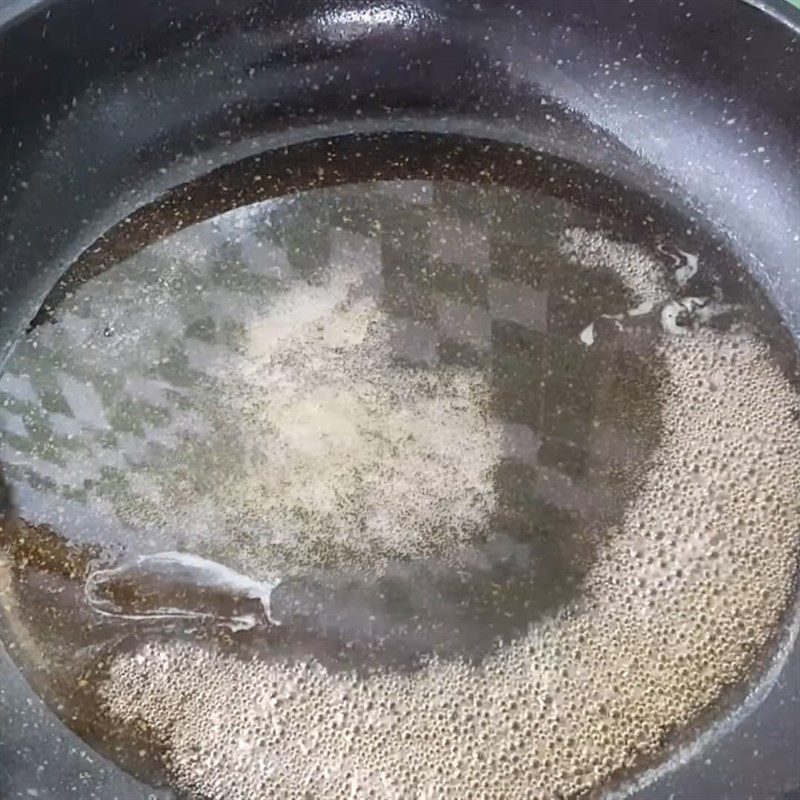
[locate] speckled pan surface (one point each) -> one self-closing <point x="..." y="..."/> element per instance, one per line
<point x="104" y="108"/>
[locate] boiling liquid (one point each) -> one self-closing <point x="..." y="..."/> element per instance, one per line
<point x="413" y="487"/>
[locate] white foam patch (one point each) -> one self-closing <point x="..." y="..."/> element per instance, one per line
<point x="343" y="440"/>
<point x="638" y="270"/>
<point x="688" y="270"/>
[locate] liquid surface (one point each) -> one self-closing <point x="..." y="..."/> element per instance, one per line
<point x="503" y="504"/>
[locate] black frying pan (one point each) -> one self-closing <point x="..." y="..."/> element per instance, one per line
<point x="695" y="105"/>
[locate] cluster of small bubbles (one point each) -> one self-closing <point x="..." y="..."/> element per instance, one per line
<point x="322" y="418"/>
<point x="633" y="265"/>
<point x="676" y="611"/>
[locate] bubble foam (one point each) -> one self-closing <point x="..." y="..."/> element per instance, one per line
<point x="678" y="608"/>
